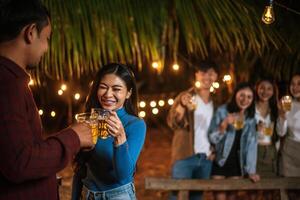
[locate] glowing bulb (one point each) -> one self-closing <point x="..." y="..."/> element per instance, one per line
<point x="155" y="65"/>
<point x="227" y="78"/>
<point x="175" y="67"/>
<point x="155" y="111"/>
<point x="152" y="104"/>
<point x="41" y="112"/>
<point x="211" y="89"/>
<point x="31" y="82"/>
<point x="142" y="104"/>
<point x="60" y="92"/>
<point x="268" y="16"/>
<point x="53" y="114"/>
<point x="170" y="101"/>
<point x="197" y="84"/>
<point x="161" y="103"/>
<point x="216" y="85"/>
<point x="77" y="96"/>
<point x="142" y="114"/>
<point x="63" y="87"/>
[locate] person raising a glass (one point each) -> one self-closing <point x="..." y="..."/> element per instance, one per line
<point x="106" y="172"/>
<point x="233" y="133"/>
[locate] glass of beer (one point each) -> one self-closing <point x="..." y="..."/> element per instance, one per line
<point x="102" y="116"/>
<point x="193" y="102"/>
<point x="286" y="102"/>
<point x="92" y="121"/>
<point x="238" y="122"/>
<point x="268" y="129"/>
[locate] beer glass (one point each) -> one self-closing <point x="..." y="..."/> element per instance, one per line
<point x="268" y="129"/>
<point x="238" y="122"/>
<point x="193" y="102"/>
<point x="92" y="121"/>
<point x="286" y="102"/>
<point x="101" y="116"/>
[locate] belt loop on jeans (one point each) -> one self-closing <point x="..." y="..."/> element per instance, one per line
<point x="91" y="195"/>
<point x="86" y="192"/>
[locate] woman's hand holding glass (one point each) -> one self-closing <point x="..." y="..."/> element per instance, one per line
<point x="116" y="129"/>
<point x="229" y="119"/>
<point x="239" y="120"/>
<point x="284" y="106"/>
<point x="235" y="119"/>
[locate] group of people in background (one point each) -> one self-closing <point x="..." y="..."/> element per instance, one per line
<point x="252" y="135"/>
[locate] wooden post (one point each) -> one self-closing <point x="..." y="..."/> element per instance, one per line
<point x="183" y="195"/>
<point x="283" y="194"/>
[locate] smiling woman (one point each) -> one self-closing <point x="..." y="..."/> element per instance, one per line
<point x="235" y="145"/>
<point x="111" y="164"/>
<point x="112" y="92"/>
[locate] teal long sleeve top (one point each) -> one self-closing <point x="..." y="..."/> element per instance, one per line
<point x="113" y="166"/>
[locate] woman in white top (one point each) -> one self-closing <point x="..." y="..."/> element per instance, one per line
<point x="289" y="126"/>
<point x="266" y="113"/>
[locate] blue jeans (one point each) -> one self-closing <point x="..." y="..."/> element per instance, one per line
<point x="194" y="167"/>
<point x="125" y="192"/>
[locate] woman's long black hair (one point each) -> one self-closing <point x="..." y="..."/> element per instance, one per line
<point x="232" y="106"/>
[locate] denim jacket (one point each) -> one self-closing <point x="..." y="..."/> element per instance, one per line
<point x="223" y="142"/>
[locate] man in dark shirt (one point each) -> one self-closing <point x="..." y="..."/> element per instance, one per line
<point x="28" y="164"/>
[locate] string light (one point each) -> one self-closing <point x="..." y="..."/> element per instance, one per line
<point x="153" y="104"/>
<point x="31" y="82"/>
<point x="142" y="114"/>
<point x="77" y="96"/>
<point x="268" y="16"/>
<point x="227" y="78"/>
<point x="155" y="111"/>
<point x="155" y="65"/>
<point x="170" y="102"/>
<point x="53" y="114"/>
<point x="197" y="84"/>
<point x="211" y="89"/>
<point x="161" y="103"/>
<point x="216" y="85"/>
<point x="41" y="112"/>
<point x="60" y="92"/>
<point x="142" y="104"/>
<point x="175" y="67"/>
<point x="63" y="87"/>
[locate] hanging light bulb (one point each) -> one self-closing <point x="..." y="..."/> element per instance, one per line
<point x="268" y="15"/>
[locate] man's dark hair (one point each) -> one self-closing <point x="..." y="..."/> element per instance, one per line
<point x="205" y="65"/>
<point x="16" y="14"/>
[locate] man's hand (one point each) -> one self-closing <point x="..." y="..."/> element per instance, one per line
<point x="84" y="132"/>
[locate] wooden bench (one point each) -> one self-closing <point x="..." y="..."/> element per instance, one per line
<point x="185" y="185"/>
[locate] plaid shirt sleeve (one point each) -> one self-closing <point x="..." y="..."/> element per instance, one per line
<point x="24" y="154"/>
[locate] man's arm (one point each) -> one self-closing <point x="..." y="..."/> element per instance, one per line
<point x="24" y="155"/>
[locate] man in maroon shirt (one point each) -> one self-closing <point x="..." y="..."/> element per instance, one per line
<point x="28" y="164"/>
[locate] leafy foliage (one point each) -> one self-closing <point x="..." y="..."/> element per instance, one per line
<point x="89" y="33"/>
